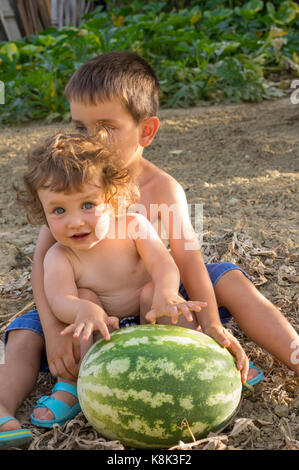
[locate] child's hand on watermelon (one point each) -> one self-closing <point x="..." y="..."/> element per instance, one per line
<point x="91" y="317"/>
<point x="172" y="305"/>
<point x="226" y="339"/>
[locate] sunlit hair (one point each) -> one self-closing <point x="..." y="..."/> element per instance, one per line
<point x="65" y="162"/>
<point x="120" y="75"/>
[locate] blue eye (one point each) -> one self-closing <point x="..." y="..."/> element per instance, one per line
<point x="59" y="210"/>
<point x="88" y="205"/>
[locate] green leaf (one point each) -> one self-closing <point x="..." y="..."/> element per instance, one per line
<point x="47" y="40"/>
<point x="250" y="9"/>
<point x="286" y="13"/>
<point x="195" y="18"/>
<point x="29" y="49"/>
<point x="216" y="16"/>
<point x="10" y="50"/>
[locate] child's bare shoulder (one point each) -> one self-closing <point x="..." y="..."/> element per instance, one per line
<point x="57" y="253"/>
<point x="135" y="219"/>
<point x="137" y="225"/>
<point x="162" y="187"/>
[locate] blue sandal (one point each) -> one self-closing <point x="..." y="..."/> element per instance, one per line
<point x="62" y="412"/>
<point x="17" y="438"/>
<point x="255" y="380"/>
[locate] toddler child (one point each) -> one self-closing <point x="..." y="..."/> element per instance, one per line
<point x="83" y="197"/>
<point x="113" y="258"/>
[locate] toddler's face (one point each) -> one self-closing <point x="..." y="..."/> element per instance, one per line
<point x="78" y="220"/>
<point x="124" y="133"/>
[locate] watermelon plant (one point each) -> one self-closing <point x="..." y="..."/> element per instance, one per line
<point x="153" y="385"/>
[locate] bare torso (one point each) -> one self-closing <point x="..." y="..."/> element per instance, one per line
<point x="113" y="270"/>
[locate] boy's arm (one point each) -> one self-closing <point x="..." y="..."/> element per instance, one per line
<point x="63" y="353"/>
<point x="81" y="315"/>
<point x="187" y="254"/>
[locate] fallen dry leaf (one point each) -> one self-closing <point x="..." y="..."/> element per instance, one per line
<point x="242" y="424"/>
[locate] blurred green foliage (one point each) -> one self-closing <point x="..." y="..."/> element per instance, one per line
<point x="200" y="50"/>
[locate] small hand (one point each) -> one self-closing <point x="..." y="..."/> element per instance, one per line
<point x="227" y="340"/>
<point x="86" y="323"/>
<point x="63" y="354"/>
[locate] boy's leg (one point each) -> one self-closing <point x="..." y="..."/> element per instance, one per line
<point x="260" y="320"/>
<point x="43" y="412"/>
<point x="19" y="374"/>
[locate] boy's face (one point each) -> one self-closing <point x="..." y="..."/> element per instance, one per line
<point x="123" y="131"/>
<point x="78" y="220"/>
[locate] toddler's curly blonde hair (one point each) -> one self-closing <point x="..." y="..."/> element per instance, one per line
<point x="64" y="162"/>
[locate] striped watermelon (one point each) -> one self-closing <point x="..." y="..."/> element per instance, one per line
<point x="140" y="386"/>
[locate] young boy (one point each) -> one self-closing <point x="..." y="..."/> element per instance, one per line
<point x="119" y="91"/>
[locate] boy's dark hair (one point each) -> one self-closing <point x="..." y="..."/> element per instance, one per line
<point x="63" y="163"/>
<point x="118" y="74"/>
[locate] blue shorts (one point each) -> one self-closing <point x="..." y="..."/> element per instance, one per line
<point x="31" y="320"/>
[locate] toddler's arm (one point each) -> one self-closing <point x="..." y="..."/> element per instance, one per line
<point x="44" y="242"/>
<point x="164" y="273"/>
<point x="63" y="354"/>
<point x="82" y="316"/>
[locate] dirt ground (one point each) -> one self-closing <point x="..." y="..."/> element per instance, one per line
<point x="240" y="162"/>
